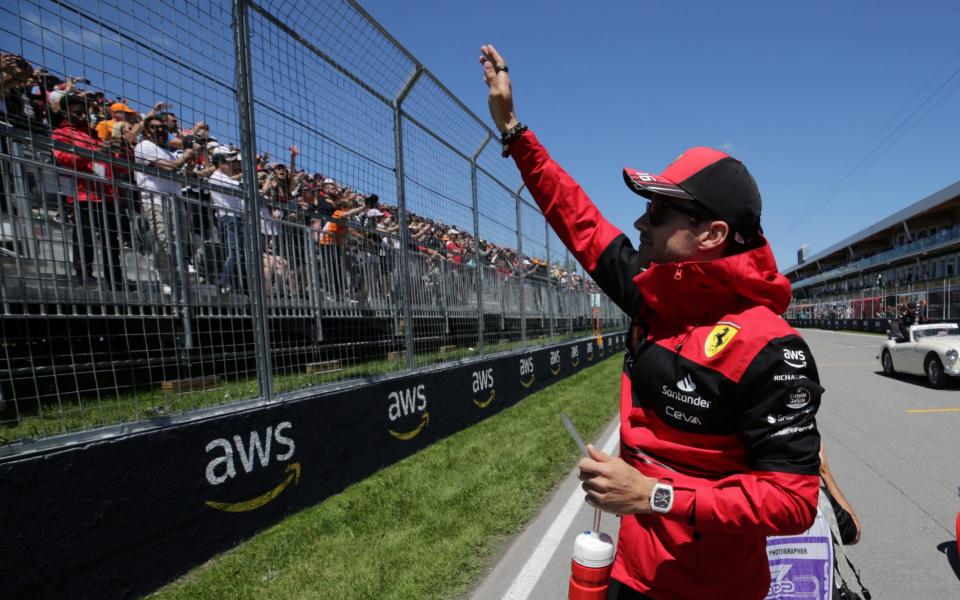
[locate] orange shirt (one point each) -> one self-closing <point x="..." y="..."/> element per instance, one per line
<point x="333" y="232"/>
<point x="104" y="129"/>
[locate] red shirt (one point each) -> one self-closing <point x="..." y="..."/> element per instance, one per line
<point x="455" y="251"/>
<point x="88" y="190"/>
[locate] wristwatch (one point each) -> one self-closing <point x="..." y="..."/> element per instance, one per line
<point x="661" y="497"/>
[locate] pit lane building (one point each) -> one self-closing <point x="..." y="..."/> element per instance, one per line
<point x="912" y="255"/>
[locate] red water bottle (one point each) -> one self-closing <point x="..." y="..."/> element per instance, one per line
<point x="590" y="568"/>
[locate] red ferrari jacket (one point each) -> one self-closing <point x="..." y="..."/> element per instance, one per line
<point x="718" y="394"/>
<point x="88" y="190"/>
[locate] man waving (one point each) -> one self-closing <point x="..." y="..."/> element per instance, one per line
<point x="718" y="437"/>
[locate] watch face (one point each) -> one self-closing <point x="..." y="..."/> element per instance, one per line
<point x="662" y="498"/>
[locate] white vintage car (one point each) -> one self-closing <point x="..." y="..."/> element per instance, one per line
<point x="931" y="350"/>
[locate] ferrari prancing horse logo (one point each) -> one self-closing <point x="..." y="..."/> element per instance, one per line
<point x="719" y="337"/>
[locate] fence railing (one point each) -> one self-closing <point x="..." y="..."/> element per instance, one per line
<point x="936" y="299"/>
<point x="136" y="289"/>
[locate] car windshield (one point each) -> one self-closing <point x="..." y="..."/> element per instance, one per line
<point x="936" y="332"/>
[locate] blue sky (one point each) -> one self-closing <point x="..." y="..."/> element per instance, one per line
<point x="844" y="112"/>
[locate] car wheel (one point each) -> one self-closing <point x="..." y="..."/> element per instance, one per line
<point x="934" y="369"/>
<point x="887" y="361"/>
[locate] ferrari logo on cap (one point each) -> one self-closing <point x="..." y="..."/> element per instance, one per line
<point x="719" y="337"/>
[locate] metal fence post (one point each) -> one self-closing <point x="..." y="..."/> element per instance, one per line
<point x="477" y="263"/>
<point x="549" y="287"/>
<point x="253" y="239"/>
<point x="402" y="209"/>
<point x="318" y="299"/>
<point x="182" y="288"/>
<point x="520" y="274"/>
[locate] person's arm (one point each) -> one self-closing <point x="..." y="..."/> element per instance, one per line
<point x="138" y="126"/>
<point x="777" y="496"/>
<point x="146" y="151"/>
<point x="269" y="184"/>
<point x="353" y="212"/>
<point x="174" y="165"/>
<point x="847" y="520"/>
<point x="208" y="171"/>
<point x="604" y="251"/>
<point x="291" y="172"/>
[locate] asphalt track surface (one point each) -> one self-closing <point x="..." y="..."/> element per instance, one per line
<point x="899" y="469"/>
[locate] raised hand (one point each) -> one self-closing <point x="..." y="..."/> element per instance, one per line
<point x="500" y="97"/>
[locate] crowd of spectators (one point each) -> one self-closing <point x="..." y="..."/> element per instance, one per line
<point x="143" y="173"/>
<point x="906" y="313"/>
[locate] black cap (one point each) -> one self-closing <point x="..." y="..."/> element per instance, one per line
<point x="712" y="178"/>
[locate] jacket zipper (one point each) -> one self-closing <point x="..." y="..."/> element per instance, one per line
<point x="677" y="276"/>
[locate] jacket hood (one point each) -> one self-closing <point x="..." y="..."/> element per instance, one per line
<point x="703" y="290"/>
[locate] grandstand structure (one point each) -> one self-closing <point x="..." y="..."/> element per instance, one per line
<point x="260" y="212"/>
<point x="911" y="256"/>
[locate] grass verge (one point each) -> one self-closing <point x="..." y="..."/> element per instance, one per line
<point x="426" y="526"/>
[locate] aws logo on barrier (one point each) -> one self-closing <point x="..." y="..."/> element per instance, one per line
<point x="555" y="361"/>
<point x="575" y="355"/>
<point x="526" y="371"/>
<point x="589" y="351"/>
<point x="405" y="403"/>
<point x="228" y="454"/>
<point x="483" y="381"/>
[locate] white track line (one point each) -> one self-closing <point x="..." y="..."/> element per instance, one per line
<point x="531" y="571"/>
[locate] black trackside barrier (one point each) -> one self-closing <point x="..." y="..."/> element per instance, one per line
<point x="869" y="325"/>
<point x="119" y="517"/>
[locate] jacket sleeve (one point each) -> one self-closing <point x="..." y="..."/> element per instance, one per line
<point x="778" y="406"/>
<point x="603" y="250"/>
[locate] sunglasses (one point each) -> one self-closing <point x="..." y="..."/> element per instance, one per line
<point x="657" y="211"/>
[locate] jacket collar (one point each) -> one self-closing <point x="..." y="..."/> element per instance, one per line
<point x="699" y="292"/>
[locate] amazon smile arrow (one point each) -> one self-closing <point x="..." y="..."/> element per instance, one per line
<point x="254" y="503"/>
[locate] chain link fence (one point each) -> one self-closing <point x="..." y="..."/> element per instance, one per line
<point x="229" y="203"/>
